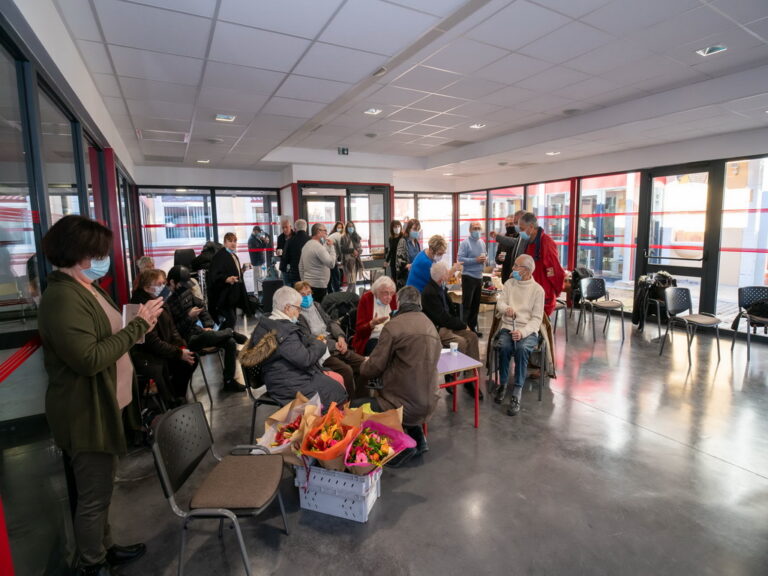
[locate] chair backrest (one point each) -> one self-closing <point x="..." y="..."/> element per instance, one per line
<point x="748" y="295"/>
<point x="183" y="257"/>
<point x="678" y="300"/>
<point x="592" y="288"/>
<point x="268" y="288"/>
<point x="182" y="437"/>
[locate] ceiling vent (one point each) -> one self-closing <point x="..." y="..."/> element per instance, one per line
<point x="455" y="143"/>
<point x="163" y="136"/>
<point x="164" y="159"/>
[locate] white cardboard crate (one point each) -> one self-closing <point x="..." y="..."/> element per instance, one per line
<point x="338" y="493"/>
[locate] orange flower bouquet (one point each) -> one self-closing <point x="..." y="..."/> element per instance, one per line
<point x="328" y="440"/>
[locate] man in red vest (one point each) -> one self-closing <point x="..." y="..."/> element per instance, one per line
<point x="548" y="272"/>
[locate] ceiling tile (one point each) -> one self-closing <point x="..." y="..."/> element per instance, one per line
<point x="151" y="148"/>
<point x="758" y="102"/>
<point x="623" y="16"/>
<point x="742" y="11"/>
<point x="153" y="29"/>
<point x="566" y="43"/>
<point x="682" y="29"/>
<point x="427" y="79"/>
<point x="552" y="79"/>
<point x="159" y="109"/>
<point x="303" y="18"/>
<point x="231" y="101"/>
<point x="547" y="103"/>
<point x="154" y="66"/>
<point x="464" y="56"/>
<point x="241" y="78"/>
<point x="437" y="7"/>
<point x="375" y="26"/>
<point x="205" y="128"/>
<point x="716" y="66"/>
<point x="759" y="27"/>
<point x="516" y="25"/>
<point x="235" y="44"/>
<point x="513" y="68"/>
<point x="471" y="88"/>
<point x="197" y="7"/>
<point x="354" y="118"/>
<point x="138" y="88"/>
<point x="396" y="96"/>
<point x="95" y="56"/>
<point x="572" y="8"/>
<point x="291" y="107"/>
<point x="115" y="105"/>
<point x="645" y="69"/>
<point x="608" y="57"/>
<point x="315" y="89"/>
<point x="107" y="85"/>
<point x="508" y="96"/>
<point x="411" y="115"/>
<point x="80" y="19"/>
<point x="590" y="87"/>
<point x="476" y="110"/>
<point x="266" y="124"/>
<point x="438" y="103"/>
<point x="147" y="123"/>
<point x="420" y="130"/>
<point x="337" y="63"/>
<point x="446" y="120"/>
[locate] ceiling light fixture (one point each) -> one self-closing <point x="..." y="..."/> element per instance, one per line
<point x="380" y="71"/>
<point x="225" y="117"/>
<point x="447" y="173"/>
<point x="503" y="163"/>
<point x="373" y="111"/>
<point x="477" y="126"/>
<point x="203" y="161"/>
<point x="552" y="153"/>
<point x="709" y="50"/>
<point x="181" y="189"/>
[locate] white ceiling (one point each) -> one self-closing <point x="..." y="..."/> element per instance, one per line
<point x="298" y="74"/>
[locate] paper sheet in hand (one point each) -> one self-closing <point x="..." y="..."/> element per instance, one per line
<point x="130" y="311"/>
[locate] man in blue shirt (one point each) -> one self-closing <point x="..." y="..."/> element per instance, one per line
<point x="472" y="255"/>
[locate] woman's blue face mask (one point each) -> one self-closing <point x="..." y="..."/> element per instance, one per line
<point x="99" y="268"/>
<point x="414" y="234"/>
<point x="306" y="301"/>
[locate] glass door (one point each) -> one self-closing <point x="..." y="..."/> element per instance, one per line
<point x="682" y="227"/>
<point x="323" y="210"/>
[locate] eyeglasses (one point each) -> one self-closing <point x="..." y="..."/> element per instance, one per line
<point x="294" y="306"/>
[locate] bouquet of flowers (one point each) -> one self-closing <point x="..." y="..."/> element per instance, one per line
<point x="284" y="430"/>
<point x="329" y="439"/>
<point x="374" y="446"/>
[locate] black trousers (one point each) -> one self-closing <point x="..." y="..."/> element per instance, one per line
<point x="318" y="294"/>
<point x="470" y="300"/>
<point x="221" y="339"/>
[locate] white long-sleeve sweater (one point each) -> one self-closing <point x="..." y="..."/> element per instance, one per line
<point x="526" y="298"/>
<point x="316" y="263"/>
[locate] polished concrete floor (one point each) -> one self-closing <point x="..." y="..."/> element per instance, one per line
<point x="631" y="464"/>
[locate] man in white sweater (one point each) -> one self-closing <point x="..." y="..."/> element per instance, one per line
<point x="521" y="308"/>
<point x="318" y="256"/>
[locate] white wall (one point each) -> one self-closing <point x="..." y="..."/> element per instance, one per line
<point x="341" y="174"/>
<point x="173" y="176"/>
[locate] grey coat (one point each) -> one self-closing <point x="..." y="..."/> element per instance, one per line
<point x="294" y="367"/>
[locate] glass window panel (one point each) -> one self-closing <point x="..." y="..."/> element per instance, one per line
<point x="58" y="158"/>
<point x="125" y="230"/>
<point x="405" y="207"/>
<point x="172" y="220"/>
<point x="551" y="202"/>
<point x="472" y="208"/>
<point x="504" y="201"/>
<point x="435" y="212"/>
<point x="19" y="287"/>
<point x="367" y="212"/>
<point x="88" y="183"/>
<point x="239" y="211"/>
<point x="744" y="240"/>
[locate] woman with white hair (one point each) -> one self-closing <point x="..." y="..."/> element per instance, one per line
<point x="295" y="365"/>
<point x="373" y="312"/>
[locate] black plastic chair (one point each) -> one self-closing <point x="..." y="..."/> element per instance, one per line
<point x="560" y="306"/>
<point x="253" y="381"/>
<point x="183" y="257"/>
<point x="748" y="295"/>
<point x="209" y="351"/>
<point x="244" y="483"/>
<point x="594" y="295"/>
<point x="679" y="300"/>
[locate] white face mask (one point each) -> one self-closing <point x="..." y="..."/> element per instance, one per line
<point x="157" y="290"/>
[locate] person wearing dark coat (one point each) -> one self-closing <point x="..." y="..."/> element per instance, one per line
<point x="289" y="263"/>
<point x="390" y="255"/>
<point x="507" y="254"/>
<point x="450" y="328"/>
<point x="226" y="287"/>
<point x="295" y="365"/>
<point x="164" y="356"/>
<point x="258" y="242"/>
<point x="203" y="260"/>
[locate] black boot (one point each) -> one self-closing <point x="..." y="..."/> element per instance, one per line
<point x="417" y="433"/>
<point x="102" y="569"/>
<point x="499" y="392"/>
<point x="117" y="555"/>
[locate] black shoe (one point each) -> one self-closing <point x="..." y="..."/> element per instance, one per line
<point x="118" y="555"/>
<point x="233" y="386"/>
<point x="470" y="389"/>
<point x="102" y="569"/>
<point x="514" y="406"/>
<point x="402" y="458"/>
<point x="499" y="392"/>
<point x="239" y="338"/>
<point x="479" y="334"/>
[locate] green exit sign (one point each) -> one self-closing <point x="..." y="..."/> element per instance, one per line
<point x="343" y="151"/>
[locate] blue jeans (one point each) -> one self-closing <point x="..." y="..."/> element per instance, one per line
<point x="521" y="350"/>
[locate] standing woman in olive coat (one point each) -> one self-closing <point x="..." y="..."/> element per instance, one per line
<point x="90" y="379"/>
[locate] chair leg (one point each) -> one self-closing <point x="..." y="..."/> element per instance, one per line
<point x="205" y="380"/>
<point x="554" y="326"/>
<point x="664" y="339"/>
<point x="282" y="511"/>
<point x="182" y="548"/>
<point x="690" y="340"/>
<point x="565" y="324"/>
<point x="543" y="363"/>
<point x="243" y="551"/>
<point x="622" y="322"/>
<point x="253" y="420"/>
<point x="736" y="331"/>
<point x="658" y="316"/>
<point x="749" y="341"/>
<point x="717" y="335"/>
<point x="607" y="321"/>
<point x="594" y="336"/>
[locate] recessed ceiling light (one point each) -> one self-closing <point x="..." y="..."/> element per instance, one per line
<point x="709" y="50"/>
<point x="373" y="111"/>
<point x="181" y="189"/>
<point x="203" y="161"/>
<point x="447" y="173"/>
<point x="502" y="163"/>
<point x="552" y="153"/>
<point x="380" y="71"/>
<point x="225" y="117"/>
<point x="477" y="126"/>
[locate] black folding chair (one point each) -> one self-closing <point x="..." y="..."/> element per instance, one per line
<point x="679" y="300"/>
<point x="748" y="295"/>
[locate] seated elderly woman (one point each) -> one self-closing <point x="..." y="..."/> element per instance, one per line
<point x="316" y="323"/>
<point x="435" y="303"/>
<point x="295" y="365"/>
<point x="373" y="312"/>
<point x="521" y="309"/>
